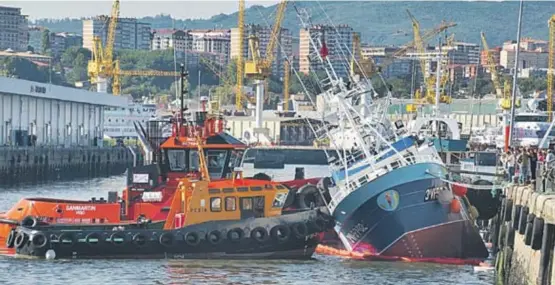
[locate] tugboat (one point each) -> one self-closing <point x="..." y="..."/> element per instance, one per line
<point x="390" y="195"/>
<point x="233" y="218"/>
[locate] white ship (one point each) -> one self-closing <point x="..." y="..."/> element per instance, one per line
<point x="118" y="122"/>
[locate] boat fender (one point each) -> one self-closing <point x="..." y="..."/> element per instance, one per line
<point x="39" y="240"/>
<point x="192" y="238"/>
<point x="318" y="225"/>
<point x="262" y="176"/>
<point x="507" y="263"/>
<point x="537" y="233"/>
<point x="502" y="233"/>
<point x="117" y="238"/>
<point x="516" y="216"/>
<point x="166" y="239"/>
<point x="259" y="234"/>
<point x="20" y="240"/>
<point x="139" y="239"/>
<point x="306" y="191"/>
<point x="510" y="236"/>
<point x="529" y="229"/>
<point x="214" y="237"/>
<point x="93" y="239"/>
<point x="66" y="239"/>
<point x="290" y="200"/>
<point x="280" y="233"/>
<point x="300" y="230"/>
<point x="508" y="210"/>
<point x="29" y="222"/>
<point x="10" y="240"/>
<point x="522" y="219"/>
<point x="235" y="235"/>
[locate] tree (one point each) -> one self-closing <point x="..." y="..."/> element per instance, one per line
<point x="45" y="42"/>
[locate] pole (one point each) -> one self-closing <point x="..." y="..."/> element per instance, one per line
<point x="198" y="86"/>
<point x="515" y="75"/>
<point x="183" y="92"/>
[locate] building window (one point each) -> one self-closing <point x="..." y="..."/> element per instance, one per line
<point x="216" y="204"/>
<point x="230" y="204"/>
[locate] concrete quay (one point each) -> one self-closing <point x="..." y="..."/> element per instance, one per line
<point x="44" y="164"/>
<point x="524" y="235"/>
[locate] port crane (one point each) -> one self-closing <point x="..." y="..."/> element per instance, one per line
<point x="240" y="61"/>
<point x="551" y="67"/>
<point x="102" y="65"/>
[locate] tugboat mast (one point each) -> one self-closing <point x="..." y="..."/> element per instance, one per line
<point x="515" y="75"/>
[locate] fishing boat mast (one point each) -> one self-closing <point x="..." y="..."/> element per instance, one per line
<point x="515" y="75"/>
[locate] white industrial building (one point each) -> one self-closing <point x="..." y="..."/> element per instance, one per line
<point x="39" y="114"/>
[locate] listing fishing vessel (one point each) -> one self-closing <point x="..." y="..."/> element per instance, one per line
<point x="390" y="194"/>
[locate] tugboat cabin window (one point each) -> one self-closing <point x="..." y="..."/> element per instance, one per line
<point x="235" y="160"/>
<point x="230" y="204"/>
<point x="246" y="204"/>
<point x="176" y="159"/>
<point x="216" y="162"/>
<point x="279" y="201"/>
<point x="194" y="161"/>
<point x="216" y="204"/>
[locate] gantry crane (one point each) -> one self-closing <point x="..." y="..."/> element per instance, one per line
<point x="551" y="67"/>
<point x="504" y="93"/>
<point x="102" y="65"/>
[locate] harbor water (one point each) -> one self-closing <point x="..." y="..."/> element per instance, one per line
<point x="320" y="270"/>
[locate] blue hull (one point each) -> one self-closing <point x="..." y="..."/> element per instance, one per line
<point x="395" y="215"/>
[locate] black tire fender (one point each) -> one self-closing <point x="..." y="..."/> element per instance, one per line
<point x="522" y="219"/>
<point x="508" y="210"/>
<point x="280" y="233"/>
<point x="166" y="239"/>
<point x="306" y="191"/>
<point x="259" y="234"/>
<point x="537" y="233"/>
<point x="66" y="237"/>
<point x="192" y="238"/>
<point x="140" y="239"/>
<point x="20" y="239"/>
<point x="235" y="235"/>
<point x="29" y="222"/>
<point x="39" y="240"/>
<point x="516" y="216"/>
<point x="214" y="237"/>
<point x="10" y="240"/>
<point x="118" y="235"/>
<point x="510" y="237"/>
<point x="317" y="225"/>
<point x="300" y="230"/>
<point x="90" y="237"/>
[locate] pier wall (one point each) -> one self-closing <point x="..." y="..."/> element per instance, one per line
<point x="524" y="236"/>
<point x="43" y="164"/>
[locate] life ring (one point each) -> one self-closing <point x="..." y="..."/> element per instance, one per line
<point x="10" y="239"/>
<point x="20" y="240"/>
<point x="529" y="229"/>
<point x="93" y="239"/>
<point x="29" y="222"/>
<point x="166" y="239"/>
<point x="300" y="230"/>
<point x="192" y="238"/>
<point x="66" y="239"/>
<point x="114" y="238"/>
<point x="139" y="239"/>
<point x="214" y="237"/>
<point x="280" y="233"/>
<point x="39" y="240"/>
<point x="235" y="235"/>
<point x="523" y="219"/>
<point x="259" y="234"/>
<point x="537" y="233"/>
<point x="307" y="195"/>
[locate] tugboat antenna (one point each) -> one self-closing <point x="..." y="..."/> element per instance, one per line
<point x="184" y="75"/>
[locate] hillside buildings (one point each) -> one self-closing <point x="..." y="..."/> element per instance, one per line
<point x="533" y="54"/>
<point x="13" y="29"/>
<point x="130" y="33"/>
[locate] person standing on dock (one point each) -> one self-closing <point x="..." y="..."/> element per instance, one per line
<point x="523" y="161"/>
<point x="509" y="163"/>
<point x="533" y="164"/>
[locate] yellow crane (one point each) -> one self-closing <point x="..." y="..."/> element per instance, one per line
<point x="504" y="93"/>
<point x="240" y="61"/>
<point x="364" y="66"/>
<point x="102" y="65"/>
<point x="286" y="74"/>
<point x="551" y="66"/>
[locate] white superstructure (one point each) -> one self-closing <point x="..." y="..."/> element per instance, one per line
<point x="529" y="129"/>
<point x="118" y="121"/>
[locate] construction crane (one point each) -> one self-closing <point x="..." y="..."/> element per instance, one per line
<point x="504" y="93"/>
<point x="551" y="67"/>
<point x="364" y="66"/>
<point x="286" y="74"/>
<point x="102" y="65"/>
<point x="240" y="61"/>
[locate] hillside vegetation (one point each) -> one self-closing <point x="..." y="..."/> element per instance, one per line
<point x="378" y="22"/>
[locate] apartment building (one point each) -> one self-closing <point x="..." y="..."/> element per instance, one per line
<point x="382" y="56"/>
<point x="13" y="29"/>
<point x="339" y="41"/>
<point x="495" y="54"/>
<point x="213" y="41"/>
<point x="282" y="49"/>
<point x="130" y="33"/>
<point x="533" y="54"/>
<point x="172" y="39"/>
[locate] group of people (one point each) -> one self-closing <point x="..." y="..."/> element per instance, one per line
<point x="521" y="163"/>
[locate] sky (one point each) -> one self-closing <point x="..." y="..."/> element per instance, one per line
<point x="134" y="8"/>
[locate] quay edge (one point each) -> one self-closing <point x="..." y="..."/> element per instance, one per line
<point x="43" y="164"/>
<point x="524" y="237"/>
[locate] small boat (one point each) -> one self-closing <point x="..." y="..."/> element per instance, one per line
<point x="227" y="218"/>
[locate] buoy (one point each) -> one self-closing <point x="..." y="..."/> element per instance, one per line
<point x="50" y="254"/>
<point x="459" y="190"/>
<point x="455" y="206"/>
<point x="444" y="197"/>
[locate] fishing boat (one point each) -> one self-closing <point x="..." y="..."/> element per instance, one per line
<point x="390" y="194"/>
<point x="233" y="218"/>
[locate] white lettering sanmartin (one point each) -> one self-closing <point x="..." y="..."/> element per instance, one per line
<point x="80" y="208"/>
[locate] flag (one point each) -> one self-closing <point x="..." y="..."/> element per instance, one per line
<point x="324" y="50"/>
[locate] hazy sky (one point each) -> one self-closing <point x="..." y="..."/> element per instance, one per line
<point x="132" y="8"/>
